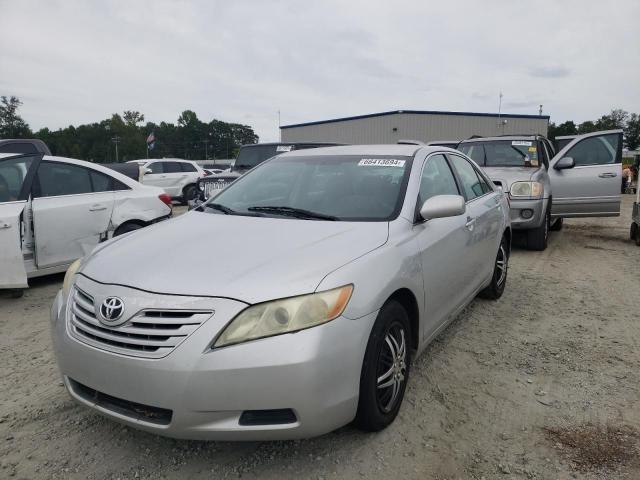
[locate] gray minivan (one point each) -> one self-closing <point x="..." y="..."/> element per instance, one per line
<point x="581" y="179"/>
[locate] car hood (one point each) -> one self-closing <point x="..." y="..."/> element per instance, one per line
<point x="507" y="175"/>
<point x="258" y="259"/>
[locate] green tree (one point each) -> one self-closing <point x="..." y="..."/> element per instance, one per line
<point x="587" y="127"/>
<point x="132" y="118"/>
<point x="616" y="119"/>
<point x="11" y="124"/>
<point x="565" y="128"/>
<point x="632" y="132"/>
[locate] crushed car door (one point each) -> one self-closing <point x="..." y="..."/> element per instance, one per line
<point x="15" y="176"/>
<point x="586" y="176"/>
<point x="71" y="213"/>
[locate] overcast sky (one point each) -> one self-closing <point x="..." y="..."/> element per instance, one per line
<point x="74" y="62"/>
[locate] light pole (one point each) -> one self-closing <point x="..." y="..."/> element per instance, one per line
<point x="116" y="140"/>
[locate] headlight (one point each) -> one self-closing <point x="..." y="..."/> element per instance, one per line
<point x="285" y="316"/>
<point x="69" y="276"/>
<point x="526" y="189"/>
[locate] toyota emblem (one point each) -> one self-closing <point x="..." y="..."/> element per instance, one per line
<point x="112" y="309"/>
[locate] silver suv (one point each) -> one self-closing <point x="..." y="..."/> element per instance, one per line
<point x="544" y="186"/>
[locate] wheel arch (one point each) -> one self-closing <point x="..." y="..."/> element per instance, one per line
<point x="141" y="223"/>
<point x="407" y="299"/>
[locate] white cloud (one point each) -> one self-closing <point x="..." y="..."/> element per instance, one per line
<point x="76" y="61"/>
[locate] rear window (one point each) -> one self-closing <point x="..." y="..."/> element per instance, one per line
<point x="503" y="153"/>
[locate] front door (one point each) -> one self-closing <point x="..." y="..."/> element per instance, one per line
<point x="443" y="246"/>
<point x="71" y="212"/>
<point x="592" y="186"/>
<point x="15" y="174"/>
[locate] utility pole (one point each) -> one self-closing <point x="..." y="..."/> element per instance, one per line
<point x="500" y="110"/>
<point x="206" y="150"/>
<point x="279" y="125"/>
<point x="116" y="140"/>
<point x="540" y="110"/>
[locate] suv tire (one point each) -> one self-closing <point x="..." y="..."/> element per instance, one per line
<point x="388" y="358"/>
<point x="538" y="238"/>
<point x="189" y="193"/>
<point x="499" y="279"/>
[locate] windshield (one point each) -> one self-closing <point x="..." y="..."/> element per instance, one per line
<point x="502" y="153"/>
<point x="347" y="188"/>
<point x="250" y="156"/>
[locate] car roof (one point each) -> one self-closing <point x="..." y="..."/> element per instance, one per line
<point x="385" y="149"/>
<point x="271" y="144"/>
<point x="530" y="136"/>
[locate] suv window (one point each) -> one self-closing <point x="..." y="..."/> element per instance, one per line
<point x="54" y="179"/>
<point x="18" y="147"/>
<point x="172" y="167"/>
<point x="437" y="179"/>
<point x="187" y="167"/>
<point x="156" y="167"/>
<point x="12" y="173"/>
<point x="473" y="185"/>
<point x="600" y="150"/>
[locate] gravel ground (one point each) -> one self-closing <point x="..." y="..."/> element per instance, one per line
<point x="558" y="353"/>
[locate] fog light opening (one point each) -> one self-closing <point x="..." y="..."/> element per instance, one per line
<point x="526" y="213"/>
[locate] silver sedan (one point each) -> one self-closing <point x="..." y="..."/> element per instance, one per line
<point x="342" y="264"/>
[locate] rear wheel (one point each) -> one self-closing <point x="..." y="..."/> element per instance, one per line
<point x="16" y="292"/>
<point x="189" y="193"/>
<point x="537" y="238"/>
<point x="385" y="369"/>
<point x="499" y="280"/>
<point x="633" y="232"/>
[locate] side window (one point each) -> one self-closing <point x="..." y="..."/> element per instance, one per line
<point x="55" y="179"/>
<point x="187" y="167"/>
<point x="471" y="184"/>
<point x="156" y="167"/>
<point x="600" y="150"/>
<point x="12" y="174"/>
<point x="437" y="179"/>
<point x="118" y="185"/>
<point x="486" y="187"/>
<point x="18" y="147"/>
<point x="475" y="152"/>
<point x="543" y="154"/>
<point x="100" y="182"/>
<point x="172" y="167"/>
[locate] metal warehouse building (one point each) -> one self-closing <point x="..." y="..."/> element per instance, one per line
<point x="389" y="127"/>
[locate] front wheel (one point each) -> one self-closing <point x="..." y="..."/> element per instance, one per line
<point x="538" y="238"/>
<point x="499" y="279"/>
<point x="385" y="369"/>
<point x="189" y="193"/>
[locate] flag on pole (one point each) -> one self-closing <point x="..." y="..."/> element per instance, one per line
<point x="151" y="141"/>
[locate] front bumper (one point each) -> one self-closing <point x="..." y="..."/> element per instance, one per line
<point x="517" y="208"/>
<point x="315" y="373"/>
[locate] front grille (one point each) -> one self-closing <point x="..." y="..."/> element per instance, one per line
<point x="267" y="417"/>
<point x="137" y="411"/>
<point x="213" y="185"/>
<point x="150" y="333"/>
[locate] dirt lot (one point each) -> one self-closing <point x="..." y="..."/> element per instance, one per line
<point x="508" y="390"/>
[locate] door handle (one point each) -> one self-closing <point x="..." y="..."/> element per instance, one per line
<point x="97" y="208"/>
<point x="4" y="225"/>
<point x="608" y="175"/>
<point x="470" y="223"/>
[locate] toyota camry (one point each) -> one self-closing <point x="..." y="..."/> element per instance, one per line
<point x="343" y="264"/>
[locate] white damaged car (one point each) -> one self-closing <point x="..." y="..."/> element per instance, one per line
<point x="54" y="210"/>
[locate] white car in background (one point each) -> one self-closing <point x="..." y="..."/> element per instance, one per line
<point x="176" y="177"/>
<point x="54" y="210"/>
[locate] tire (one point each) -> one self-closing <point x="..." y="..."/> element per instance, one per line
<point x="190" y="192"/>
<point x="633" y="231"/>
<point x="126" y="228"/>
<point x="386" y="356"/>
<point x="499" y="279"/>
<point x="538" y="238"/>
<point x="557" y="225"/>
<point x="638" y="238"/>
<point x="16" y="292"/>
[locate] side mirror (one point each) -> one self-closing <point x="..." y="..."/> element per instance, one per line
<point x="147" y="171"/>
<point x="564" y="163"/>
<point x="442" y="206"/>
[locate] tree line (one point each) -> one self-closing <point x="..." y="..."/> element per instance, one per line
<point x="188" y="138"/>
<point x="617" y="119"/>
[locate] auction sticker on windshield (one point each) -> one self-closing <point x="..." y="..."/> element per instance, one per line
<point x="381" y="162"/>
<point x="521" y="143"/>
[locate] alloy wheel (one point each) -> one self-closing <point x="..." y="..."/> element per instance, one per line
<point x="392" y="367"/>
<point x="502" y="263"/>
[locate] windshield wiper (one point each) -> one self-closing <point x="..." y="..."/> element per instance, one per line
<point x="293" y="212"/>
<point x="220" y="208"/>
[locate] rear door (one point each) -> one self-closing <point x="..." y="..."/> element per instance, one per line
<point x="156" y="176"/>
<point x="15" y="176"/>
<point x="72" y="208"/>
<point x="592" y="186"/>
<point x="176" y="178"/>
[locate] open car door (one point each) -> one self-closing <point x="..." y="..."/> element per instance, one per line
<point x="16" y="172"/>
<point x="586" y="174"/>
